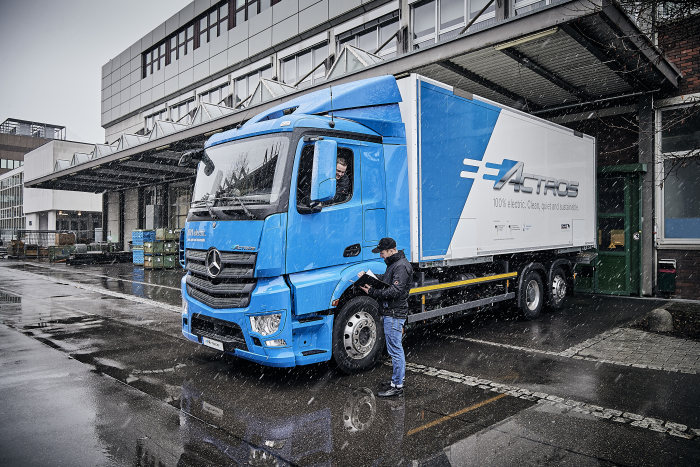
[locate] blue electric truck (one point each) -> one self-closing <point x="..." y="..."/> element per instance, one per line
<point x="488" y="203"/>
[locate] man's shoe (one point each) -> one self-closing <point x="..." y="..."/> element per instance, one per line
<point x="385" y="386"/>
<point x="391" y="392"/>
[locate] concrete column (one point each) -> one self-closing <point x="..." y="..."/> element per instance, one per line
<point x="502" y="9"/>
<point x="331" y="49"/>
<point x="122" y="240"/>
<point x="646" y="156"/>
<point x="403" y="39"/>
<point x="52" y="220"/>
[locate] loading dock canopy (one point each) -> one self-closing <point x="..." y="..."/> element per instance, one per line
<point x="571" y="56"/>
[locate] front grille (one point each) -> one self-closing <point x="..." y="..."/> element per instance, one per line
<point x="233" y="286"/>
<point x="224" y="331"/>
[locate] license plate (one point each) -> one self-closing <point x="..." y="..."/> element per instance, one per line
<point x="213" y="344"/>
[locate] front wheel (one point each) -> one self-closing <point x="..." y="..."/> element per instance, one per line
<point x="530" y="295"/>
<point x="358" y="335"/>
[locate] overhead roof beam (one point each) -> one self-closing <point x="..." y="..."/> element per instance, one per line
<point x="470" y="75"/>
<point x="80" y="186"/>
<point x="159" y="167"/>
<point x="618" y="20"/>
<point x="604" y="57"/>
<point x="530" y="64"/>
<point x="101" y="180"/>
<point x="122" y="174"/>
<point x="165" y="155"/>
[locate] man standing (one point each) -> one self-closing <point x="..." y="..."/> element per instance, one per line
<point x="394" y="308"/>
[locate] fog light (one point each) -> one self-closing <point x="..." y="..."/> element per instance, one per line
<point x="184" y="307"/>
<point x="265" y="324"/>
<point x="276" y="343"/>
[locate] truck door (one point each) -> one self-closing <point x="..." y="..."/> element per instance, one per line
<point x="328" y="234"/>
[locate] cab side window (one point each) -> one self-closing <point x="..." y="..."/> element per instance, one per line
<point x="344" y="175"/>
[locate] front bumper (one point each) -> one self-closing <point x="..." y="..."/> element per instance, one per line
<point x="232" y="326"/>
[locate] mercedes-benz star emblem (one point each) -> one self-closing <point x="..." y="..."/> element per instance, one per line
<point x="213" y="262"/>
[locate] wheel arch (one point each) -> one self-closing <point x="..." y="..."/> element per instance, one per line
<point x="563" y="263"/>
<point x="345" y="289"/>
<point x="533" y="266"/>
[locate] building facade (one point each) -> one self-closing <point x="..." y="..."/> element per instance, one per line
<point x="18" y="137"/>
<point x="592" y="65"/>
<point x="11" y="208"/>
<point x="36" y="209"/>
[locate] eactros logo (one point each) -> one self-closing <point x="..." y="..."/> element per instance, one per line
<point x="512" y="172"/>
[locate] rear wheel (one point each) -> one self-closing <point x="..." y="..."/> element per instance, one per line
<point x="531" y="296"/>
<point x="358" y="335"/>
<point x="557" y="289"/>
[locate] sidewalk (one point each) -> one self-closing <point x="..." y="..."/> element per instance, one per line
<point x="641" y="349"/>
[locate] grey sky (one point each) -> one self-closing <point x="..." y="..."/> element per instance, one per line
<point x="52" y="52"/>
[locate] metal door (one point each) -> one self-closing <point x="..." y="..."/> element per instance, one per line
<point x="618" y="263"/>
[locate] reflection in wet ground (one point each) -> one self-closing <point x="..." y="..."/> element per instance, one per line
<point x="219" y="410"/>
<point x="162" y="285"/>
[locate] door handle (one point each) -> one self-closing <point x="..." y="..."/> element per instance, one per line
<point x="352" y="250"/>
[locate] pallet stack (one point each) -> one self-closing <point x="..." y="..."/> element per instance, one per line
<point x="161" y="252"/>
<point x="138" y="239"/>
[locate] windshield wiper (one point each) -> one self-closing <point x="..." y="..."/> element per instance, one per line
<point x="241" y="203"/>
<point x="207" y="203"/>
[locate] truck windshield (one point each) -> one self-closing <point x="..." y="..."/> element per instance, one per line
<point x="241" y="174"/>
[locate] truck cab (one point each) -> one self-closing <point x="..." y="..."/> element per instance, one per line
<point x="269" y="244"/>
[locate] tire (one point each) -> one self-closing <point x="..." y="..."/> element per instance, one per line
<point x="531" y="295"/>
<point x="358" y="335"/>
<point x="556" y="289"/>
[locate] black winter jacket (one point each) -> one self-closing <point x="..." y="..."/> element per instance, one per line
<point x="399" y="275"/>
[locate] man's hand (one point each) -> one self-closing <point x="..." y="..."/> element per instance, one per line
<point x="360" y="274"/>
<point x="366" y="288"/>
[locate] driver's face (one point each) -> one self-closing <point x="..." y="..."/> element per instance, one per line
<point x="339" y="171"/>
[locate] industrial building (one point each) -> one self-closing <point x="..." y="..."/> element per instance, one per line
<point x="17" y="138"/>
<point x="34" y="214"/>
<point x="591" y="65"/>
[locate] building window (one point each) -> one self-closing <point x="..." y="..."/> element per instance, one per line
<point x="211" y="24"/>
<point x="180" y="44"/>
<point x="180" y="111"/>
<point x="217" y="96"/>
<point x="243" y="10"/>
<point x="679" y="161"/>
<point x="438" y="20"/>
<point x="243" y="86"/>
<point x="370" y="39"/>
<point x="11" y="211"/>
<point x="201" y="30"/>
<point x="525" y="6"/>
<point x="10" y="164"/>
<point x="153" y="60"/>
<point x="297" y="66"/>
<point x="151" y="119"/>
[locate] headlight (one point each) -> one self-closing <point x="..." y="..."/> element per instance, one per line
<point x="266" y="324"/>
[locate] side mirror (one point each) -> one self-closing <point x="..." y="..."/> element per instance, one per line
<point x="323" y="172"/>
<point x="191" y="158"/>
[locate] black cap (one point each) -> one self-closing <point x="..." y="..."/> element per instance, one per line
<point x="386" y="243"/>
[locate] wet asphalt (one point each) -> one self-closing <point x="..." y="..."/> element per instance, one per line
<point x="94" y="372"/>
